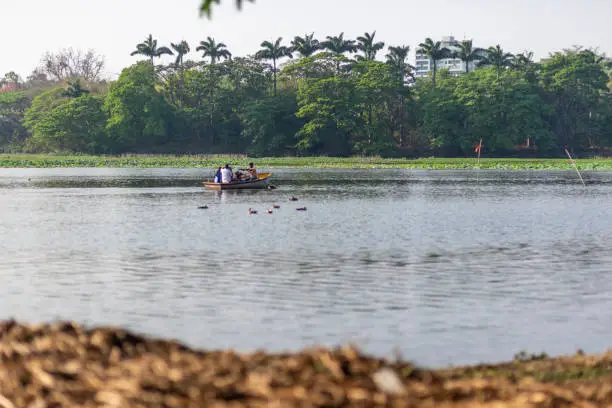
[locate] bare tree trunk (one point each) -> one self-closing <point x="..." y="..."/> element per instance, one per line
<point x="435" y="68"/>
<point x="274" y="64"/>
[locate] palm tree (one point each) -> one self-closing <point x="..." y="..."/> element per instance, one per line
<point x="214" y="50"/>
<point x="467" y="53"/>
<point x="337" y="45"/>
<point x="274" y="51"/>
<point x="498" y="58"/>
<point x="305" y="46"/>
<point x="396" y="58"/>
<point x="369" y="48"/>
<point x="435" y="52"/>
<point x="523" y="59"/>
<point x="149" y="49"/>
<point x="181" y="49"/>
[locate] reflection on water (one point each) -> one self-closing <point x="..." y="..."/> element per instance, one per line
<point x="451" y="267"/>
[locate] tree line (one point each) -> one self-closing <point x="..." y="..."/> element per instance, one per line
<point x="311" y="97"/>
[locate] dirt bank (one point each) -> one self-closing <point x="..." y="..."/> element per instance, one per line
<point x="68" y="365"/>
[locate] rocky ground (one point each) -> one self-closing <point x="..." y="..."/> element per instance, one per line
<point x="68" y="365"/>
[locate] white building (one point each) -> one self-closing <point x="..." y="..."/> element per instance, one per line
<point x="455" y="66"/>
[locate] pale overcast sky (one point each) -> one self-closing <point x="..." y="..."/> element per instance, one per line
<point x="114" y="27"/>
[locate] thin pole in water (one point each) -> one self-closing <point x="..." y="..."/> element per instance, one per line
<point x="574" y="164"/>
<point x="478" y="148"/>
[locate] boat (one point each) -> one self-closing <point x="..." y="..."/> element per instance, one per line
<point x="262" y="181"/>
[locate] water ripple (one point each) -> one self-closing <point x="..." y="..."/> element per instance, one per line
<point x="448" y="270"/>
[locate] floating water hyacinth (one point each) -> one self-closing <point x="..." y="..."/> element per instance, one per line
<point x="212" y="161"/>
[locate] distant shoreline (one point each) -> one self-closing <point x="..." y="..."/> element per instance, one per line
<point x="211" y="161"/>
<point x="67" y="364"/>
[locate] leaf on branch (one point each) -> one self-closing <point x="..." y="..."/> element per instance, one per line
<point x="206" y="7"/>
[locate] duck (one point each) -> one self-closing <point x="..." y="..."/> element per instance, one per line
<point x="269" y="211"/>
<point x="301" y="209"/>
<point x="293" y="199"/>
<point x="276" y="206"/>
<point x="203" y="207"/>
<point x="252" y="211"/>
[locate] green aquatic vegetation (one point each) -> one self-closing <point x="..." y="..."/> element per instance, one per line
<point x="208" y="161"/>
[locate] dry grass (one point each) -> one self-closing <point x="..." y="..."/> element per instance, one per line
<point x="67" y="365"/>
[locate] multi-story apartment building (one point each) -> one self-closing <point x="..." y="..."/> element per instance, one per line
<point x="455" y="66"/>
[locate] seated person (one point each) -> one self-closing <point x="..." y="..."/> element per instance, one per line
<point x="252" y="171"/>
<point x="218" y="176"/>
<point x="226" y="174"/>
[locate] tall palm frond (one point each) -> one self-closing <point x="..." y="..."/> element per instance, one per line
<point x="181" y="50"/>
<point x="497" y="58"/>
<point x="467" y="53"/>
<point x="338" y="45"/>
<point x="396" y="58"/>
<point x="435" y="52"/>
<point x="305" y="46"/>
<point x="150" y="49"/>
<point x="274" y="51"/>
<point x="214" y="50"/>
<point x="368" y="46"/>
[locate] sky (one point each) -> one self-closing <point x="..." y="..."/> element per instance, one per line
<point x="113" y="27"/>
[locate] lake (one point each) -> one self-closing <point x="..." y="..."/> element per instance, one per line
<point x="446" y="267"/>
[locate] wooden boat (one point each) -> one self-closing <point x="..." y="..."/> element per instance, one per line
<point x="261" y="182"/>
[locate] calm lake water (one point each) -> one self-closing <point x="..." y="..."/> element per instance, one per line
<point x="448" y="267"/>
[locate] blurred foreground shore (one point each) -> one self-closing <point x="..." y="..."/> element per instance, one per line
<point x="65" y="364"/>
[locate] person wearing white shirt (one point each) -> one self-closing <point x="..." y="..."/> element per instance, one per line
<point x="226" y="174"/>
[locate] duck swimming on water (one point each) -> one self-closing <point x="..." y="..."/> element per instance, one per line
<point x="293" y="199"/>
<point x="301" y="209"/>
<point x="252" y="211"/>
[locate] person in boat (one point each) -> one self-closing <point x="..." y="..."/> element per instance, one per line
<point x="252" y="171"/>
<point x="217" y="178"/>
<point x="226" y="174"/>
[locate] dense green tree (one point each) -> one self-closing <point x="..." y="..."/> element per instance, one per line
<point x="270" y="124"/>
<point x="43" y="104"/>
<point x="375" y="84"/>
<point x="149" y="49"/>
<point x="321" y="65"/>
<point x="274" y="51"/>
<point x="442" y="117"/>
<point x="138" y="115"/>
<point x="306" y="45"/>
<point x="369" y="46"/>
<point x="575" y="82"/>
<point x="13" y="106"/>
<point x="214" y="50"/>
<point x="435" y="52"/>
<point x="76" y="125"/>
<point x="503" y="113"/>
<point x="328" y="107"/>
